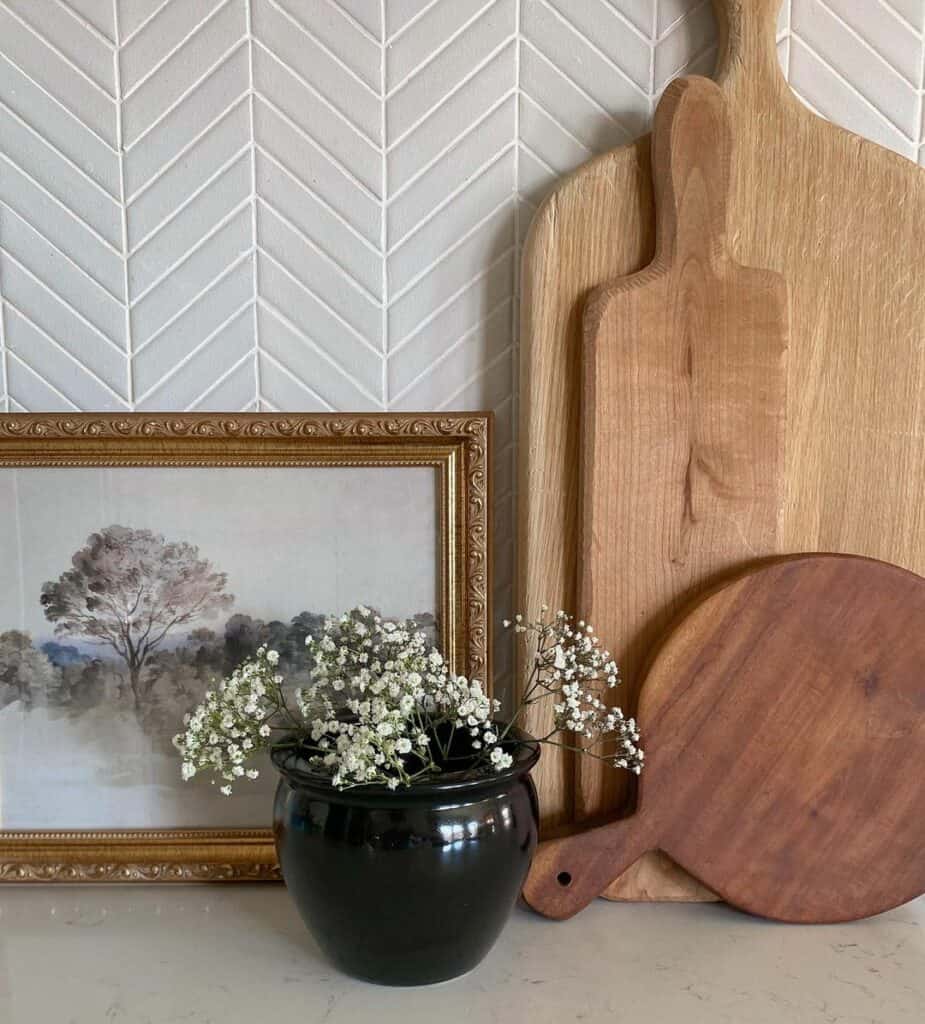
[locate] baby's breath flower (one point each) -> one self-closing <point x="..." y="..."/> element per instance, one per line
<point x="381" y="705"/>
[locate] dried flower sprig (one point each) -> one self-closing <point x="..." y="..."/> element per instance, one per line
<point x="571" y="667"/>
<point x="235" y="721"/>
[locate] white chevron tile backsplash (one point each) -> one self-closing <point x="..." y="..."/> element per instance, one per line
<point x="319" y="204"/>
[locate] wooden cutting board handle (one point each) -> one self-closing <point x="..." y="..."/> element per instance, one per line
<point x="691" y="154"/>
<point x="748" y="43"/>
<point x="568" y="873"/>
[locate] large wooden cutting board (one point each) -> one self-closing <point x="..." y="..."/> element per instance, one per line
<point x="785" y="718"/>
<point x="844" y="221"/>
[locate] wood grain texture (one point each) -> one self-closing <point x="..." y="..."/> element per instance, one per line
<point x="843" y="220"/>
<point x="684" y="394"/>
<point x="785" y="720"/>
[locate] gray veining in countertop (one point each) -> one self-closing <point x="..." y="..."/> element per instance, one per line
<point x="222" y="955"/>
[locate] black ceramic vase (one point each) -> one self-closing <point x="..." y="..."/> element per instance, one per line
<point x="411" y="886"/>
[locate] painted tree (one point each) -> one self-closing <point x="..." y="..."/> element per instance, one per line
<point x="26" y="674"/>
<point x="129" y="590"/>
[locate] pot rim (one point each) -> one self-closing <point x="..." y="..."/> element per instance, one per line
<point x="522" y="746"/>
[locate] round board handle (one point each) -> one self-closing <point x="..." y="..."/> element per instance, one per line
<point x="569" y="873"/>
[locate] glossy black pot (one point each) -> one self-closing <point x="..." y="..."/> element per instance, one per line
<point x="413" y="886"/>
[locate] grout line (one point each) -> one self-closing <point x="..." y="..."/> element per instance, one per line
<point x="201" y="80"/>
<point x="611" y="117"/>
<point x="302" y="27"/>
<point x="318" y="348"/>
<point x="454" y="143"/>
<point x="458" y="87"/>
<point x="920" y="112"/>
<point x="383" y="210"/>
<point x="56" y="102"/>
<point x="60" y="54"/>
<point x="219" y="381"/>
<point x="43" y="381"/>
<point x="191" y="250"/>
<point x="455" y="344"/>
<point x="593" y="46"/>
<point x="298" y="381"/>
<point x="550" y="170"/>
<point x="673" y="26"/>
<point x="199" y="346"/>
<point x="123" y="210"/>
<point x="789" y="37"/>
<point x="56" y="296"/>
<point x="48" y="144"/>
<point x="188" y="199"/>
<point x="86" y="24"/>
<point x="145" y="22"/>
<point x="162" y="60"/>
<point x="473" y="179"/>
<point x="627" y="24"/>
<point x="325" y="305"/>
<point x="76" y="217"/>
<point x="853" y="89"/>
<point x="589" y="152"/>
<point x="340" y="267"/>
<point x="175" y="316"/>
<point x="825" y="5"/>
<point x="320" y="200"/>
<point x="4" y="369"/>
<point x="473" y="378"/>
<point x="253" y="162"/>
<point x="438" y="310"/>
<point x="185" y="149"/>
<point x="39" y="330"/>
<point x="319" y="147"/>
<point x="918" y="30"/>
<point x="434" y="54"/>
<point x="450" y="249"/>
<point x="413" y="20"/>
<point x="351" y="19"/>
<point x="653" y="43"/>
<point x="322" y="99"/>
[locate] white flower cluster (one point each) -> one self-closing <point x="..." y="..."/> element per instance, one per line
<point x="378" y="699"/>
<point x="383" y="707"/>
<point x="233" y="722"/>
<point x="572" y="667"/>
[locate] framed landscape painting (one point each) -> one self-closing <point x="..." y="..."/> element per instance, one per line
<point x="143" y="557"/>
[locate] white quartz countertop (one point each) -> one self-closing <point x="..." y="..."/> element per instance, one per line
<point x="222" y="955"/>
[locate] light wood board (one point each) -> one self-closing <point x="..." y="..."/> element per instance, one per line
<point x="844" y="221"/>
<point x="684" y="396"/>
<point x="785" y="714"/>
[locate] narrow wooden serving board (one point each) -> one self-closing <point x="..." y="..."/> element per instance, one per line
<point x="785" y="726"/>
<point x="843" y="221"/>
<point x="684" y="386"/>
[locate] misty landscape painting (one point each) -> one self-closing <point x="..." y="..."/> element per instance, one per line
<point x="128" y="592"/>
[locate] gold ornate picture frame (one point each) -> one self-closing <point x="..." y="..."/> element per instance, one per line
<point x="455" y="447"/>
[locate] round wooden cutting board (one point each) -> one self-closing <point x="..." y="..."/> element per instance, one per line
<point x="784" y="726"/>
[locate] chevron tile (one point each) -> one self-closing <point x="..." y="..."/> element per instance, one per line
<point x="61" y="267"/>
<point x="185" y="130"/>
<point x="860" y="65"/>
<point x="282" y="204"/>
